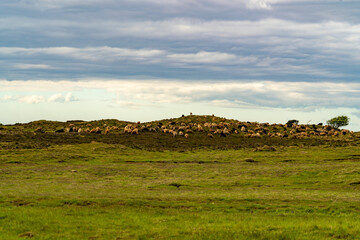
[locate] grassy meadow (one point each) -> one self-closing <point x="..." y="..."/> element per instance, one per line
<point x="152" y="186"/>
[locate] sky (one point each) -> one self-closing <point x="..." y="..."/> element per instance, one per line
<point x="143" y="60"/>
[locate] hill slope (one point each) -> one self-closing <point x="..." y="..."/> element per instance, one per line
<point x="184" y="133"/>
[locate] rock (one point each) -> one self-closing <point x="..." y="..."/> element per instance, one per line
<point x="61" y="130"/>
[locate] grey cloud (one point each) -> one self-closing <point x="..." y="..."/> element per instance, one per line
<point x="201" y="39"/>
<point x="213" y="61"/>
<point x="328" y="37"/>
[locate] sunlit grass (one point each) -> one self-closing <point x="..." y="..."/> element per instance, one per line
<point x="109" y="191"/>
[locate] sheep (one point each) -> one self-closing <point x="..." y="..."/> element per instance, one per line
<point x="127" y="129"/>
<point x="256" y="135"/>
<point x="135" y="131"/>
<point x="174" y="133"/>
<point x="182" y="128"/>
<point x="279" y="135"/>
<point x="210" y="135"/>
<point x="186" y="135"/>
<point x="95" y="130"/>
<point x="181" y="133"/>
<point x="218" y="131"/>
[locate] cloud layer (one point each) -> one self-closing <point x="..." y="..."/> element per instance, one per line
<point x="269" y="47"/>
<point x="271" y="94"/>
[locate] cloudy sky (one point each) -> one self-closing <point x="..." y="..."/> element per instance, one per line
<point x="142" y="60"/>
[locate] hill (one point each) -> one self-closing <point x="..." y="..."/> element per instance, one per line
<point x="183" y="133"/>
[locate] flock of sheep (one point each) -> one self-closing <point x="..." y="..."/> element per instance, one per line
<point x="184" y="127"/>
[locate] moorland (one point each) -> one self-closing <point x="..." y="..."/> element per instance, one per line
<point x="193" y="177"/>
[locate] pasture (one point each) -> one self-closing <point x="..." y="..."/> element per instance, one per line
<point x="155" y="186"/>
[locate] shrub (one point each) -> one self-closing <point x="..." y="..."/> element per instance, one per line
<point x="290" y="123"/>
<point x="339" y="121"/>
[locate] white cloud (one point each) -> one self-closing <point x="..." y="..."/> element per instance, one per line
<point x="109" y="54"/>
<point x="33" y="99"/>
<point x="31" y="66"/>
<point x="202" y="57"/>
<point x="58" y="97"/>
<point x="69" y="97"/>
<point x="7" y="97"/>
<point x="258" y="4"/>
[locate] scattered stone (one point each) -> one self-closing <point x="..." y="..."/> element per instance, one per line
<point x="355" y="183"/>
<point x="175" y="185"/>
<point x="27" y="234"/>
<point x="61" y="130"/>
<point x="249" y="160"/>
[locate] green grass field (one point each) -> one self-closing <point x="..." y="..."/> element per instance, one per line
<point x="90" y="189"/>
